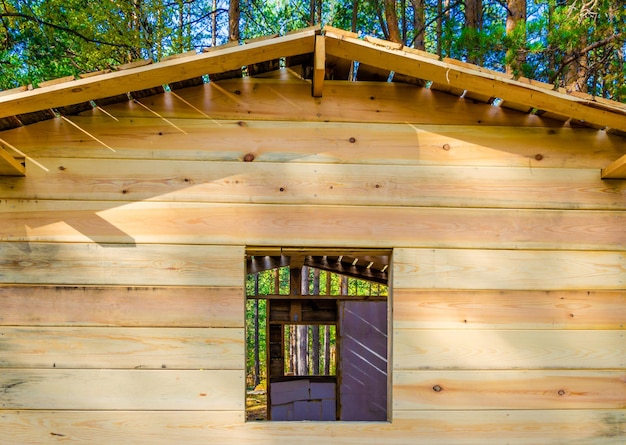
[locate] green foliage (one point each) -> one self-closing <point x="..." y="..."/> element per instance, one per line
<point x="578" y="42"/>
<point x="47" y="39"/>
<point x="264" y="283"/>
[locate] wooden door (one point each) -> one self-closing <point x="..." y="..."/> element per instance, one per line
<point x="363" y="360"/>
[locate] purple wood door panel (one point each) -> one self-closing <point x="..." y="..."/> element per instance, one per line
<point x="363" y="360"/>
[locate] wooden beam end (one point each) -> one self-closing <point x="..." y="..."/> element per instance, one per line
<point x="617" y="170"/>
<point x="9" y="166"/>
<point x="319" y="65"/>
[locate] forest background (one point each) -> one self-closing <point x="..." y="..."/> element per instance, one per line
<point x="575" y="44"/>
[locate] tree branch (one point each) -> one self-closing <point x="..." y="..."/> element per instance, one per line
<point x="61" y="28"/>
<point x="585" y="50"/>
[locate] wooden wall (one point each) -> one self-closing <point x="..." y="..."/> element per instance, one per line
<point x="121" y="263"/>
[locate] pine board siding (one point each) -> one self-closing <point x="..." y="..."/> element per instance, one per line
<point x="509" y="309"/>
<point x="122" y="263"/>
<point x="498" y="349"/>
<point x="269" y="99"/>
<point x="528" y="389"/>
<point x="121" y="348"/>
<point x="508" y="269"/>
<point x="115" y="389"/>
<point x="220" y="224"/>
<point x="319" y="184"/>
<point x="490" y="427"/>
<point x="166" y="307"/>
<point x="323" y="142"/>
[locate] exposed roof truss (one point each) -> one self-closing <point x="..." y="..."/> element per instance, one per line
<point x="331" y="54"/>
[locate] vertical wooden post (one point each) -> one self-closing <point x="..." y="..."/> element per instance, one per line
<point x="319" y="66"/>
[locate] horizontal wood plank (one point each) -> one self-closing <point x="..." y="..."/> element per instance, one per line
<point x="121" y="264"/>
<point x="513" y="427"/>
<point x="268" y="99"/>
<point x="92" y="389"/>
<point x="197" y="307"/>
<point x="122" y="348"/>
<point x="471" y="390"/>
<point x="150" y="138"/>
<point x="299" y="183"/>
<point x="308" y="225"/>
<point x="415" y="349"/>
<point x="508" y="269"/>
<point x="485" y="309"/>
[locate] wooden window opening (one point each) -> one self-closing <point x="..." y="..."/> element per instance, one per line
<point x="317" y="326"/>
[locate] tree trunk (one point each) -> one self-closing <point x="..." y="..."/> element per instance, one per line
<point x="302" y="332"/>
<point x="419" y="24"/>
<point x="377" y="6"/>
<point x="516" y="23"/>
<point x="404" y="25"/>
<point x="327" y="350"/>
<point x="439" y="29"/>
<point x="257" y="358"/>
<point x="302" y="364"/>
<point x="443" y="16"/>
<point x="293" y="340"/>
<point x="315" y="334"/>
<point x="474" y="14"/>
<point x="234" y="14"/>
<point x="577" y="71"/>
<point x="319" y="11"/>
<point x="312" y="12"/>
<point x="327" y="330"/>
<point x="355" y="14"/>
<point x="391" y="17"/>
<point x="214" y="24"/>
<point x="474" y="24"/>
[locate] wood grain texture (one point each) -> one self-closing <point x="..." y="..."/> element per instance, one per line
<point x="415" y="349"/>
<point x="508" y="269"/>
<point x="535" y="390"/>
<point x="205" y="139"/>
<point x="478" y="82"/>
<point x="93" y="389"/>
<point x="10" y="166"/>
<point x="270" y="99"/>
<point x="304" y="183"/>
<point x="173" y="70"/>
<point x="195" y="307"/>
<point x="616" y="170"/>
<point x="121" y="264"/>
<point x="121" y="348"/>
<point x="485" y="309"/>
<point x="309" y="225"/>
<point x="513" y="427"/>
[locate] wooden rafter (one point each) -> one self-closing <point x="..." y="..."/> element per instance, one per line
<point x="158" y="74"/>
<point x="9" y="166"/>
<point x="481" y="82"/>
<point x="617" y="170"/>
<point x="450" y="75"/>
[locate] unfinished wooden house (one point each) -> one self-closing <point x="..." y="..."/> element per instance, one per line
<point x="133" y="204"/>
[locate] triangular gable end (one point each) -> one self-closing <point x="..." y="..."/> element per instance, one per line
<point x="314" y="55"/>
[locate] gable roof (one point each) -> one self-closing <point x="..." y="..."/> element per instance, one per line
<point x="327" y="54"/>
